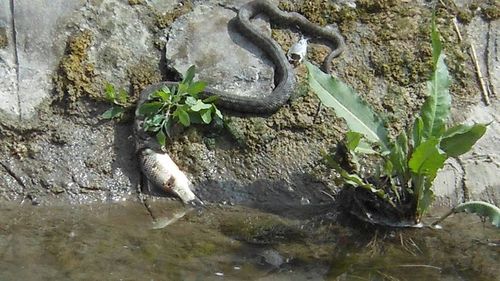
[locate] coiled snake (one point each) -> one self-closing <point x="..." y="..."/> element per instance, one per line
<point x="284" y="76"/>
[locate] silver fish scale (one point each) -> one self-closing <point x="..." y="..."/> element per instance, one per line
<point x="156" y="173"/>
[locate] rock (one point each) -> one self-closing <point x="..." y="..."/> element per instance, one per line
<point x="477" y="172"/>
<point x="33" y="54"/>
<point x="8" y="73"/>
<point x="223" y="57"/>
<point x="448" y="184"/>
<point x="493" y="59"/>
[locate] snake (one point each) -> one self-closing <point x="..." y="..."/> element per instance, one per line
<point x="284" y="76"/>
<point x="267" y="103"/>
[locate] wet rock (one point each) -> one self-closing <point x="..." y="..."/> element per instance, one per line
<point x="223" y="57"/>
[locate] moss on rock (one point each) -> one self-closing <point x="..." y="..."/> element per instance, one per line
<point x="141" y="75"/>
<point x="164" y="20"/>
<point x="76" y="75"/>
<point x="4" y="41"/>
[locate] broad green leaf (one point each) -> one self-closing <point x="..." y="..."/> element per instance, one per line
<point x="402" y="140"/>
<point x="356" y="143"/>
<point x="353" y="139"/>
<point x="188" y="78"/>
<point x="399" y="157"/>
<point x="183" y="117"/>
<point x="195" y="117"/>
<point x="436" y="108"/>
<point x="191" y="101"/>
<point x="200" y="105"/>
<point x="460" y="138"/>
<point x="113" y="112"/>
<point x="153" y="123"/>
<point x="163" y="94"/>
<point x="427" y="158"/>
<point x="150" y="108"/>
<point x="436" y="43"/>
<point x="388" y="167"/>
<point x="217" y="112"/>
<point x="365" y="148"/>
<point x="206" y="115"/>
<point x="161" y="138"/>
<point x="358" y="115"/>
<point x="481" y="208"/>
<point x="196" y="88"/>
<point x="182" y="89"/>
<point x="109" y="91"/>
<point x="167" y="125"/>
<point x="417" y="132"/>
<point x="425" y="198"/>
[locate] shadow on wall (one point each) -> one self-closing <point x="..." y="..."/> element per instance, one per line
<point x="266" y="195"/>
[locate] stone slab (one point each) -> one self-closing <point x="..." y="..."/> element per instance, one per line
<point x="223" y="57"/>
<point x="9" y="103"/>
<point x="27" y="63"/>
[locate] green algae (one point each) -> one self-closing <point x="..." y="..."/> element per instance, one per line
<point x="76" y="76"/>
<point x="261" y="229"/>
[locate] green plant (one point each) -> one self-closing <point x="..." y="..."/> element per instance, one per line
<point x="119" y="101"/>
<point x="180" y="103"/>
<point x="410" y="162"/>
<point x="480" y="208"/>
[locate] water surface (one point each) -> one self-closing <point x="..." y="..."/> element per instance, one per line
<point x="117" y="242"/>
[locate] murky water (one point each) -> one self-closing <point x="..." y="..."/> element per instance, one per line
<point x="117" y="242"/>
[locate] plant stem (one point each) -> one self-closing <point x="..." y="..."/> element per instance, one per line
<point x="418" y="182"/>
<point x="442" y="218"/>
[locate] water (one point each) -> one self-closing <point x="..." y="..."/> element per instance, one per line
<point x="117" y="242"/>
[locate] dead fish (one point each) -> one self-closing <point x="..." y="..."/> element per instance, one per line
<point x="163" y="222"/>
<point x="298" y="51"/>
<point x="162" y="172"/>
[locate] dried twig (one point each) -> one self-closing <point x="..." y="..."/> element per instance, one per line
<point x="480" y="76"/>
<point x="457" y="29"/>
<point x="328" y="194"/>
<point x="487" y="55"/>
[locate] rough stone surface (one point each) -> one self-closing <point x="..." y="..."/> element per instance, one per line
<point x="493" y="57"/>
<point x="475" y="176"/>
<point x="78" y="158"/>
<point x="39" y="43"/>
<point x="223" y="57"/>
<point x="482" y="164"/>
<point x="9" y="102"/>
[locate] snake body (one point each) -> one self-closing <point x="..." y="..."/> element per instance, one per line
<point x="284" y="76"/>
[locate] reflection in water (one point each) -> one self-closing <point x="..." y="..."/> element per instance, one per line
<point x="118" y="242"/>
